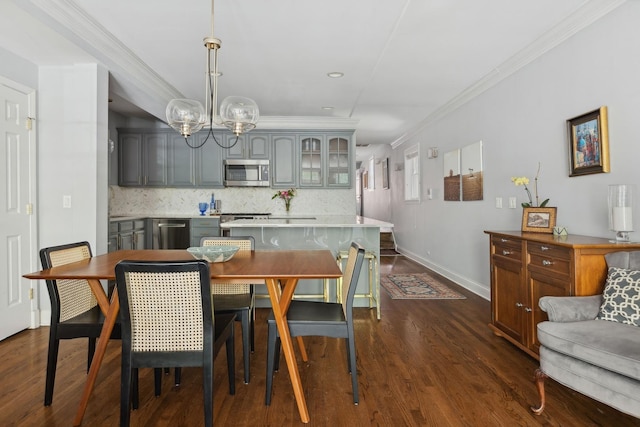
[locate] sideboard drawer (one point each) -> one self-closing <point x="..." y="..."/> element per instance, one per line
<point x="550" y="264"/>
<point x="509" y="248"/>
<point x="548" y="250"/>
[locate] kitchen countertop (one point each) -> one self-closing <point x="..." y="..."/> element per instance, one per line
<point x="145" y="216"/>
<point x="308" y="221"/>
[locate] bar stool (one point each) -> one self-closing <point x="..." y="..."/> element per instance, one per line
<point x="374" y="282"/>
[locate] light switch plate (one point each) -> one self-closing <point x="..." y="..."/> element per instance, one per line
<point x="498" y="202"/>
<point x="512" y="203"/>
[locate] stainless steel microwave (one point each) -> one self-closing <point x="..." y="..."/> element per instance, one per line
<point x="246" y="173"/>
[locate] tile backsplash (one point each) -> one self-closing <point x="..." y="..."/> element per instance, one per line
<point x="180" y="201"/>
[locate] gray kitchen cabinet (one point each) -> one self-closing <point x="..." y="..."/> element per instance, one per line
<point x="154" y="156"/>
<point x="249" y="146"/>
<point x="130" y="159"/>
<point x="208" y="171"/>
<point x="142" y="159"/>
<point x="180" y="162"/>
<point x="162" y="158"/>
<point x="126" y="234"/>
<point x="284" y="171"/>
<point x="204" y="227"/>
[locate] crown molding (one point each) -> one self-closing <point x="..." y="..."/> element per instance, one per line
<point x="70" y="20"/>
<point x="584" y="16"/>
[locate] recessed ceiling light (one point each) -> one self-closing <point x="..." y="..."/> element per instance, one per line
<point x="327" y="108"/>
<point x="335" y="74"/>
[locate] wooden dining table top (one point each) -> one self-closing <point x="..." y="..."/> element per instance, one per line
<point x="260" y="264"/>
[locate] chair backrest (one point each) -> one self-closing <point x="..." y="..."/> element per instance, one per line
<point x="69" y="298"/>
<point x="350" y="277"/>
<point x="165" y="306"/>
<point x="246" y="244"/>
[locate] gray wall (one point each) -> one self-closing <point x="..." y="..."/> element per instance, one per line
<point x="522" y="121"/>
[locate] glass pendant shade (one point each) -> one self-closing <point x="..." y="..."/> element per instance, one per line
<point x="186" y="116"/>
<point x="239" y="114"/>
<point x="621" y="211"/>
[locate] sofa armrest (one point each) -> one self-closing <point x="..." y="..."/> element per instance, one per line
<point x="571" y="309"/>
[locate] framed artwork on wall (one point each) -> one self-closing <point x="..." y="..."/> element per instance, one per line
<point x="538" y="220"/>
<point x="589" y="143"/>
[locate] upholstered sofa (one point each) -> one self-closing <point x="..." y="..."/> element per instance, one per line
<point x="583" y="351"/>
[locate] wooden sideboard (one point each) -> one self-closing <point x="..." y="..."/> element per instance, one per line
<point x="527" y="266"/>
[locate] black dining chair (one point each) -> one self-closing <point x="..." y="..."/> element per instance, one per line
<point x="74" y="310"/>
<point x="167" y="321"/>
<point x="237" y="298"/>
<point x="329" y="319"/>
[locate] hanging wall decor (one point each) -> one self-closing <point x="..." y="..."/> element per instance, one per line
<point x="471" y="165"/>
<point x="589" y="143"/>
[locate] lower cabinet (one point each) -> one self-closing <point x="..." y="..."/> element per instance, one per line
<point x="528" y="266"/>
<point x="127" y="234"/>
<point x="204" y="227"/>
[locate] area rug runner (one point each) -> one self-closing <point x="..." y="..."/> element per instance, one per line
<point x="417" y="286"/>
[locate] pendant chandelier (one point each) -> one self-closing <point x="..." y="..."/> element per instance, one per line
<point x="237" y="113"/>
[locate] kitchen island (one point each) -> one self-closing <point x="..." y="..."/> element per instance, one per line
<point x="333" y="232"/>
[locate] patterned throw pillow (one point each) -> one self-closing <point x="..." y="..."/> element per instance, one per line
<point x="621" y="297"/>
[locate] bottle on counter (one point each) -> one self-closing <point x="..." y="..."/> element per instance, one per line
<point x="212" y="206"/>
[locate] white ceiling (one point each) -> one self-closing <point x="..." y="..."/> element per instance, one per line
<point x="403" y="60"/>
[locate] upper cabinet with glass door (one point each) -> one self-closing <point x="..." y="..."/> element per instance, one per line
<point x="311" y="160"/>
<point x="325" y="160"/>
<point x="339" y="161"/>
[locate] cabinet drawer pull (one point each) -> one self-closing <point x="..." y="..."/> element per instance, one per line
<point x="504" y="240"/>
<point x="519" y="304"/>
<point x="505" y="252"/>
<point x="528" y="310"/>
<point x="544" y="248"/>
<point x="546" y="262"/>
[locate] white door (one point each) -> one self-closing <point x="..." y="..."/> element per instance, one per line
<point x="17" y="224"/>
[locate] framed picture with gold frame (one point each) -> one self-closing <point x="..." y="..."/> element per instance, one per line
<point x="589" y="143"/>
<point x="538" y="220"/>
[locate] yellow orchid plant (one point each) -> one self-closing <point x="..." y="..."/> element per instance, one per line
<point x="524" y="181"/>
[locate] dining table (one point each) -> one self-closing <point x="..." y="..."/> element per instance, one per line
<point x="279" y="270"/>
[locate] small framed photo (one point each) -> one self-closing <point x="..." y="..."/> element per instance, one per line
<point x="539" y="220"/>
<point x="589" y="143"/>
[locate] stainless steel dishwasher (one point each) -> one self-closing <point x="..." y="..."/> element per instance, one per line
<point x="170" y="233"/>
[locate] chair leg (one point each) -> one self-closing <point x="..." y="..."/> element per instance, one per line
<point x="253" y="329"/>
<point x="540" y="377"/>
<point x="271" y="347"/>
<point x="352" y="367"/>
<point x="207" y="385"/>
<point x="178" y="375"/>
<point x="157" y="380"/>
<point x="90" y="352"/>
<point x="231" y="361"/>
<point x="246" y="337"/>
<point x="126" y="392"/>
<point x="135" y="393"/>
<point x="52" y="362"/>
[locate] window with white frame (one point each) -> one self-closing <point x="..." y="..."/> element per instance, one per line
<point x="412" y="174"/>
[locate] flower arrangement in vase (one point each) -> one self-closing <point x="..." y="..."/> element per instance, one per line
<point x="523" y="180"/>
<point x="285" y="195"/>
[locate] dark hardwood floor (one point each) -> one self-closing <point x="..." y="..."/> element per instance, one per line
<point x="425" y="363"/>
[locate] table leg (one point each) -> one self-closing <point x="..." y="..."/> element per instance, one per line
<point x="101" y="348"/>
<point x="280" y="305"/>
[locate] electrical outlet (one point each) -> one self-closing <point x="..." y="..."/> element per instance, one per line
<point x="512" y="203"/>
<point x="66" y="202"/>
<point x="498" y="202"/>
